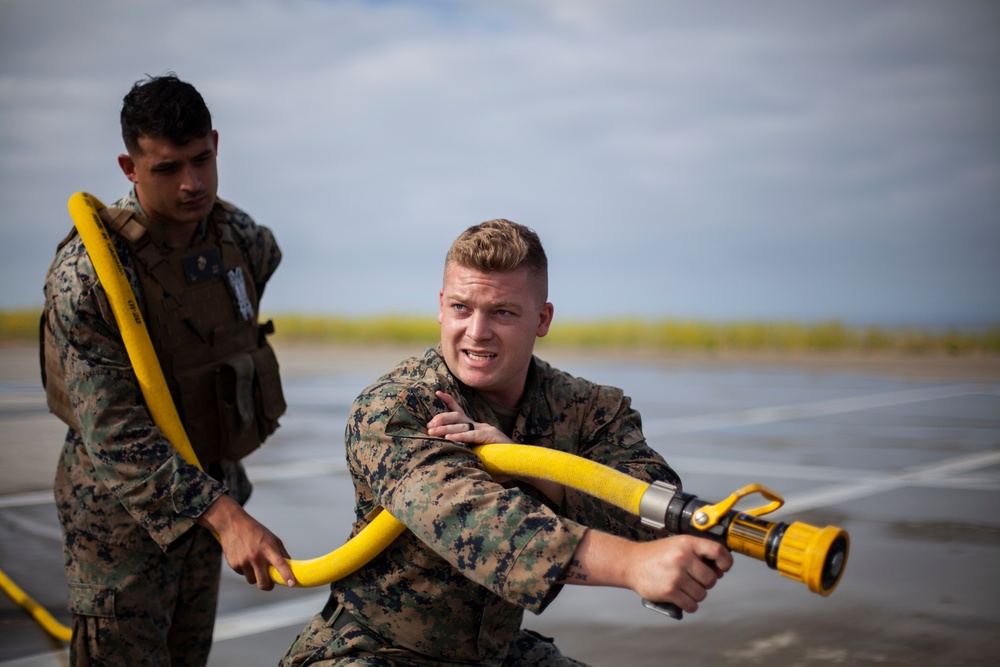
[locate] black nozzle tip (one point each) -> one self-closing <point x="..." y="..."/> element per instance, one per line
<point x="833" y="566"/>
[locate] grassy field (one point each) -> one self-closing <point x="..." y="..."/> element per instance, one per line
<point x="663" y="334"/>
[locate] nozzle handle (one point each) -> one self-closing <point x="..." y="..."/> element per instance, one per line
<point x="665" y="608"/>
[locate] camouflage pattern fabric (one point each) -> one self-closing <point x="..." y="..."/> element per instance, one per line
<point x="453" y="588"/>
<point x="124" y="614"/>
<point x="329" y="643"/>
<point x="119" y="481"/>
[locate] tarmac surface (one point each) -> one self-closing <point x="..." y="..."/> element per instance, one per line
<point x="904" y="454"/>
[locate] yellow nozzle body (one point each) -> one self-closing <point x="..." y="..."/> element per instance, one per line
<point x="814" y="556"/>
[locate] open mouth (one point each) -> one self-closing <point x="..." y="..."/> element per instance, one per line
<point x="475" y="356"/>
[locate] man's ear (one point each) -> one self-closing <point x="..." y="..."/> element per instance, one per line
<point x="127" y="165"/>
<point x="544" y="319"/>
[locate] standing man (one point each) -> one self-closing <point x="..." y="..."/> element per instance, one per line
<point x="142" y="564"/>
<point x="480" y="550"/>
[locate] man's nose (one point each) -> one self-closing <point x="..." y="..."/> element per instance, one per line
<point x="479" y="326"/>
<point x="191" y="180"/>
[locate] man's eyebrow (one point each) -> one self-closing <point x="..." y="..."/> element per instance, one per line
<point x="504" y="304"/>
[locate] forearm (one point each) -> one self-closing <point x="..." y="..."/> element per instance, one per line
<point x="678" y="569"/>
<point x="600" y="560"/>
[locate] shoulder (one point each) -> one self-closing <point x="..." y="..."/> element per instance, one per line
<point x="256" y="242"/>
<point x="411" y="385"/>
<point x="553" y="381"/>
<point x="572" y="395"/>
<point x="241" y="221"/>
<point x="73" y="291"/>
<point x="70" y="273"/>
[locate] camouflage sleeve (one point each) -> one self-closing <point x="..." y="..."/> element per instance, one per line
<point x="497" y="537"/>
<point x="612" y="435"/>
<point x="129" y="454"/>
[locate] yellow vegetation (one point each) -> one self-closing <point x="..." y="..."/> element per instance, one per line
<point x="662" y="334"/>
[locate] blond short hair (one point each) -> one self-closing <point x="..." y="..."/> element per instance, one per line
<point x="501" y="245"/>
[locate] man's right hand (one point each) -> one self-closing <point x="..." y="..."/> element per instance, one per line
<point x="679" y="569"/>
<point x="250" y="548"/>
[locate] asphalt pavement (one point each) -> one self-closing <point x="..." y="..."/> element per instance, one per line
<point x="905" y="456"/>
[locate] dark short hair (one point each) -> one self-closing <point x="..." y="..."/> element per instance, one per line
<point x="163" y="107"/>
<point x="501" y="245"/>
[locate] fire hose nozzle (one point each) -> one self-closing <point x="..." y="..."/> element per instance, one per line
<point x="809" y="554"/>
<point x="814" y="556"/>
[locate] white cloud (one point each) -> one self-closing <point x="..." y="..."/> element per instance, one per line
<point x="826" y="159"/>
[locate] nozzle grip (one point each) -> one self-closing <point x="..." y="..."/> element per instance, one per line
<point x="665" y="608"/>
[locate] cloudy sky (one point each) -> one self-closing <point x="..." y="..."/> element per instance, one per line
<point x="714" y="161"/>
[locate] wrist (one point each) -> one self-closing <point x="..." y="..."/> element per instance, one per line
<point x="600" y="560"/>
<point x="219" y="514"/>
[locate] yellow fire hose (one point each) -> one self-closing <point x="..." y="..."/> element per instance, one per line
<point x="798" y="551"/>
<point x="37" y="611"/>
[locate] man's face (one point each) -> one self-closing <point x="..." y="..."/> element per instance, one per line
<point x="176" y="184"/>
<point x="489" y="322"/>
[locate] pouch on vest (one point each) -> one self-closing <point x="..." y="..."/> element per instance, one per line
<point x="268" y="395"/>
<point x="234" y="380"/>
<point x="250" y="401"/>
<point x="56" y="390"/>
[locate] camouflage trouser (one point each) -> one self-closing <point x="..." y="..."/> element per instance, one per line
<point x="142" y="607"/>
<point x="333" y="640"/>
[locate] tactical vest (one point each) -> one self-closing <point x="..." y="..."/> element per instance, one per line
<point x="200" y="308"/>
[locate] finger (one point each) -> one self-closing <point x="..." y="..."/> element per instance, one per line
<point x="692" y="589"/>
<point x="264" y="582"/>
<point x="706" y="572"/>
<point x="446" y="419"/>
<point x="683" y="599"/>
<point x="448" y="401"/>
<point x="714" y="554"/>
<point x="285" y="570"/>
<point x="261" y="564"/>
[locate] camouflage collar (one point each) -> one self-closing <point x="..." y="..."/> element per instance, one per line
<point x="155" y="229"/>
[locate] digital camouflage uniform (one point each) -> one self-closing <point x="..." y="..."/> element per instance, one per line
<point x="143" y="577"/>
<point x="453" y="588"/>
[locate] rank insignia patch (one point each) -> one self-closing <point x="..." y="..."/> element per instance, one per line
<point x="201" y="267"/>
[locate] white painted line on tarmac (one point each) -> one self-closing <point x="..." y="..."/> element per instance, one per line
<point x="769" y="415"/>
<point x="27" y="499"/>
<point x="58" y="658"/>
<point x="295" y="469"/>
<point x="269" y="617"/>
<point x="687" y="465"/>
<point x="913" y="476"/>
<point x="232" y="625"/>
<point x="258" y="473"/>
